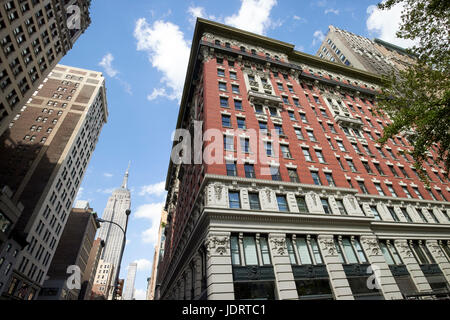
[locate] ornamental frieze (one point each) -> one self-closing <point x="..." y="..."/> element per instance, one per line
<point x="217" y="245"/>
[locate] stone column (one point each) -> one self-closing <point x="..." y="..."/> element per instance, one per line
<point x="338" y="279"/>
<point x="375" y="257"/>
<point x="282" y="268"/>
<point x="219" y="272"/>
<point x="188" y="283"/>
<point x="439" y="257"/>
<point x="181" y="292"/>
<point x="198" y="276"/>
<point x="413" y="267"/>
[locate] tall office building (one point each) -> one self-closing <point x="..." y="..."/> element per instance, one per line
<point x="73" y="249"/>
<point x="118" y="203"/>
<point x="43" y="158"/>
<point x="157" y="256"/>
<point x="129" y="283"/>
<point x="375" y="56"/>
<point x="103" y="282"/>
<point x="293" y="198"/>
<point x="87" y="282"/>
<point x="34" y="36"/>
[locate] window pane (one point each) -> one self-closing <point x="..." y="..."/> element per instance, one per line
<point x="348" y="249"/>
<point x="254" y="201"/>
<point x="282" y="203"/>
<point x="264" y="250"/>
<point x="316" y="251"/>
<point x="235" y="258"/>
<point x="291" y="252"/>
<point x="360" y="251"/>
<point x="251" y="257"/>
<point x="234" y="200"/>
<point x="301" y="203"/>
<point x="303" y="251"/>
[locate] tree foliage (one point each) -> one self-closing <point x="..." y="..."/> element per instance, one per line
<point x="418" y="99"/>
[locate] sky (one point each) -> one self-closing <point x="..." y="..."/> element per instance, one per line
<point x="142" y="47"/>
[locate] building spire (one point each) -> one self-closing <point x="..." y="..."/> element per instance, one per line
<point x="125" y="178"/>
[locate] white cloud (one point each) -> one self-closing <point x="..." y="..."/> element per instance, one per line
<point x="156" y="189"/>
<point x="106" y="191"/>
<point x="106" y="63"/>
<point x="140" y="294"/>
<point x="199" y="12"/>
<point x="384" y="24"/>
<point x="143" y="264"/>
<point x="298" y="18"/>
<point x="253" y="16"/>
<point x="152" y="212"/>
<point x="331" y="10"/>
<point x="318" y="37"/>
<point x="167" y="51"/>
<point x="108" y="175"/>
<point x="161" y="92"/>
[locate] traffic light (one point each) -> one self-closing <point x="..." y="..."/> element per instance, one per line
<point x="119" y="287"/>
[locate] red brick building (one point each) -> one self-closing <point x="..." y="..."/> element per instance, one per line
<point x="300" y="201"/>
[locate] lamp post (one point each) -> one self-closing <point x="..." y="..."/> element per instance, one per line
<point x="127" y="212"/>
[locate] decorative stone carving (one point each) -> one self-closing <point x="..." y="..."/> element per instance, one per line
<point x="218" y="191"/>
<point x="404" y="248"/>
<point x="279" y="245"/>
<point x="435" y="249"/>
<point x="328" y="246"/>
<point x="217" y="245"/>
<point x="372" y="246"/>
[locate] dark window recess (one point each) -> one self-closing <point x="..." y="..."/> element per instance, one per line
<point x="254" y="290"/>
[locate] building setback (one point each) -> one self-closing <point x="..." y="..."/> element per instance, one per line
<point x="73" y="249"/>
<point x="129" y="283"/>
<point x="34" y="36"/>
<point x="376" y="56"/>
<point x="300" y="202"/>
<point x="43" y="158"/>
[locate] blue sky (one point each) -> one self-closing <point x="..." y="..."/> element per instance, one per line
<point x="142" y="48"/>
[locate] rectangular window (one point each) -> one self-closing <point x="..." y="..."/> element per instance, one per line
<point x="341" y="146"/>
<point x="221" y="73"/>
<point x="251" y="257"/>
<point x="417" y="192"/>
<point x="296" y="103"/>
<point x="233" y="75"/>
<point x="375" y="212"/>
<point x="282" y="203"/>
<point x="303" y="251"/>
<point x="222" y="86"/>
<point x="316" y="178"/>
<point x="326" y="206"/>
<point x="241" y="123"/>
<point x="391" y="190"/>
<point x="406" y="215"/>
<point x="238" y="104"/>
<point x="331" y="126"/>
<point x="234" y="200"/>
<point x="311" y="135"/>
<point x="278" y="129"/>
<point x="351" y="165"/>
<point x="291" y="115"/>
<point x="293" y="176"/>
<point x="249" y="171"/>
<point x="268" y="147"/>
<point x="275" y="172"/>
<point x="285" y="151"/>
<point x="406" y="191"/>
<point x="254" y="201"/>
<point x="226" y="121"/>
<point x="362" y="186"/>
<point x="299" y="134"/>
<point x="245" y="145"/>
<point x="329" y="177"/>
<point x="235" y="89"/>
<point x="378" y="167"/>
<point x="235" y="257"/>
<point x="228" y="143"/>
<point x="291" y="252"/>
<point x="263" y="127"/>
<point x="393" y="214"/>
<point x="259" y="109"/>
<point x="306" y="154"/>
<point x="231" y="168"/>
<point x="341" y="207"/>
<point x="301" y="204"/>
<point x="265" y="255"/>
<point x="367" y="167"/>
<point x="348" y="250"/>
<point x="320" y="157"/>
<point x="379" y="189"/>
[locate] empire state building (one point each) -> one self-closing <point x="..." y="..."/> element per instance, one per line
<point x="118" y="203"/>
